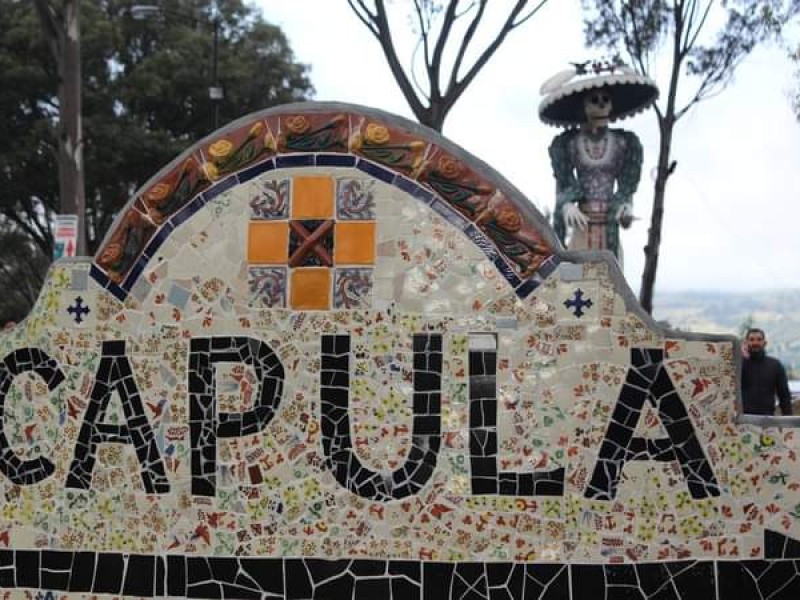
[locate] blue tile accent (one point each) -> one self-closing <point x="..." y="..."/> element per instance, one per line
<point x="415" y="189"/>
<point x="482" y="242"/>
<point x="78" y="310"/>
<point x="507" y="271"/>
<point x="179" y="217"/>
<point x="405" y="184"/>
<point x="452" y="216"/>
<point x="96" y="274"/>
<point x="118" y="292"/>
<point x="577" y="303"/>
<point x="159" y="238"/>
<point x="256" y="170"/>
<point x="422" y="194"/>
<point x="222" y="186"/>
<point x="294" y="160"/>
<point x="336" y="160"/>
<point x="196" y="204"/>
<point x="155" y="242"/>
<point x="548" y="266"/>
<point x="526" y="288"/>
<point x="134" y="273"/>
<point x="186" y="212"/>
<point x="376" y="171"/>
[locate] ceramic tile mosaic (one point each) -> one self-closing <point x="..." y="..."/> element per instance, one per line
<point x="269" y="198"/>
<point x="326" y="354"/>
<point x="310" y="238"/>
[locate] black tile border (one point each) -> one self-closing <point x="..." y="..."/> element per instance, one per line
<point x="150" y="576"/>
<point x="777" y="545"/>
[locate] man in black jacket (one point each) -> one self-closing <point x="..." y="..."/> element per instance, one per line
<point x="763" y="378"/>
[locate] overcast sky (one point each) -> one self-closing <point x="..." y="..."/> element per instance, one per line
<point x="731" y="217"/>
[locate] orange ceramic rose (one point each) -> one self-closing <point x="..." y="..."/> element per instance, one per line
<point x="508" y="218"/>
<point x="449" y="167"/>
<point x="377" y="134"/>
<point x="297" y="124"/>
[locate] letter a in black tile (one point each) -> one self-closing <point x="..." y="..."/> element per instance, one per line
<point x="648" y="379"/>
<point x="114" y="373"/>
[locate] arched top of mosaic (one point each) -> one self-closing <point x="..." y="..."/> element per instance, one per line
<point x="314" y="138"/>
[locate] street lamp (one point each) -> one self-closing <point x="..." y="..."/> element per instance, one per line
<point x="143" y="12"/>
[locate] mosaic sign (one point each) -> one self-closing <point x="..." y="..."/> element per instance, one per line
<point x="327" y="354"/>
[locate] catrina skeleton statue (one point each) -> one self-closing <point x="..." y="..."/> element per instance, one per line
<point x="596" y="167"/>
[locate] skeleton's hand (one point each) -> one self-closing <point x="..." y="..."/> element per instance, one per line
<point x="625" y="215"/>
<point x="573" y="216"/>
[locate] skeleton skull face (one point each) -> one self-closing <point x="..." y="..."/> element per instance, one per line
<point x="597" y="105"/>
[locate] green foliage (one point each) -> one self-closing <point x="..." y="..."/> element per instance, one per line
<point x="145" y="99"/>
<point x="22" y="270"/>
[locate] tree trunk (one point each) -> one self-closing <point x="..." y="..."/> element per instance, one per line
<point x="435" y="115"/>
<point x="70" y="138"/>
<point x="651" y="250"/>
<point x="666" y="125"/>
<point x="62" y="33"/>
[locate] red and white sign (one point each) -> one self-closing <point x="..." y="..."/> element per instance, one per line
<point x="66" y="236"/>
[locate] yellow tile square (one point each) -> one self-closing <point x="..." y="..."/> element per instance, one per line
<point x="268" y="242"/>
<point x="310" y="288"/>
<point x="354" y="243"/>
<point x="312" y="197"/>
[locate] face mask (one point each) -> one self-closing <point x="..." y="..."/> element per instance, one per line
<point x="757" y="353"/>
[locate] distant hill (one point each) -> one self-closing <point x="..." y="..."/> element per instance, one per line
<point x="777" y="312"/>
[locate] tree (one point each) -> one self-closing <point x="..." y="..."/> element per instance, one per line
<point x="435" y="25"/>
<point x="678" y="31"/>
<point x="62" y="32"/>
<point x="22" y="271"/>
<point x="145" y="99"/>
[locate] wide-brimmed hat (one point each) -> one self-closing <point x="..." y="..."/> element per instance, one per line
<point x="563" y="93"/>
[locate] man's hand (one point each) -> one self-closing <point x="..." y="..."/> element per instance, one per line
<point x="573" y="216"/>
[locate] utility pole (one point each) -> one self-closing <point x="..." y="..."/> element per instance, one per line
<point x="62" y="33"/>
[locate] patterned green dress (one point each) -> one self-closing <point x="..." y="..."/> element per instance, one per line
<point x="600" y="173"/>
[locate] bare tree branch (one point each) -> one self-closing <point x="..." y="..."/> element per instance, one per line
<point x="434" y="68"/>
<point x="534" y="10"/>
<point x="700" y="26"/>
<point x="424" y="28"/>
<point x="362" y="12"/>
<point x="458" y="89"/>
<point x="425" y="11"/>
<point x="473" y="26"/>
<point x="379" y="24"/>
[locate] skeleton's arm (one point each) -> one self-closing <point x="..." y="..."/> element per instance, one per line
<point x="628" y="179"/>
<point x="568" y="190"/>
